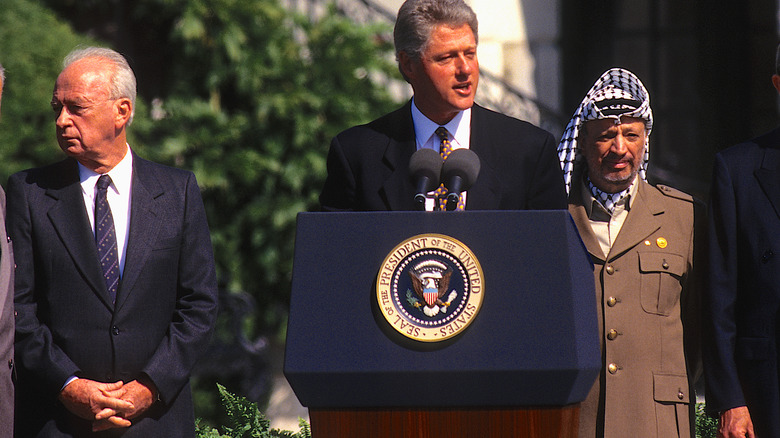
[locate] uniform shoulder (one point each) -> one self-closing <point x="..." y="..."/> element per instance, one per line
<point x="671" y="192"/>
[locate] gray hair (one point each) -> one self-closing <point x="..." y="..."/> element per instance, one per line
<point x="417" y="19"/>
<point x="2" y="77"/>
<point x="122" y="82"/>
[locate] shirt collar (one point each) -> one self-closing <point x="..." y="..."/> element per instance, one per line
<point x="121" y="176"/>
<point x="424" y="129"/>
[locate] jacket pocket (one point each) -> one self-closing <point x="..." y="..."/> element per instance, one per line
<point x="660" y="281"/>
<point x="671" y="388"/>
<point x="672" y="405"/>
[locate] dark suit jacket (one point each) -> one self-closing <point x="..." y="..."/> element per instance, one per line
<point x="743" y="297"/>
<point x="6" y="328"/>
<point x="368" y="165"/>
<point x="165" y="307"/>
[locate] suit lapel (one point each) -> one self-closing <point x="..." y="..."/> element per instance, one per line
<point x="769" y="177"/>
<point x="69" y="218"/>
<point x="144" y="225"/>
<point x="483" y="195"/>
<point x="641" y="222"/>
<point x="397" y="190"/>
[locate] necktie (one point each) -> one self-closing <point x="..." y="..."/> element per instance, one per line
<point x="105" y="237"/>
<point x="445" y="147"/>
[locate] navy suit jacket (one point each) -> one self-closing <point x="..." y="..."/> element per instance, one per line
<point x="742" y="300"/>
<point x="368" y="165"/>
<point x="66" y="325"/>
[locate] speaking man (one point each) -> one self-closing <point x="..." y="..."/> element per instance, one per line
<point x="436" y="49"/>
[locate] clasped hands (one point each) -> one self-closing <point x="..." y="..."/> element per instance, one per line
<point x="108" y="405"/>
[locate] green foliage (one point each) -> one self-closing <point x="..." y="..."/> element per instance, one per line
<point x="32" y="44"/>
<point x="246" y="421"/>
<point x="259" y="94"/>
<point x="706" y="426"/>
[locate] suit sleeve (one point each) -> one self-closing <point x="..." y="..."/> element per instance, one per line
<point x="338" y="192"/>
<point x="196" y="302"/>
<point x="548" y="191"/>
<point x="36" y="350"/>
<point x="723" y="387"/>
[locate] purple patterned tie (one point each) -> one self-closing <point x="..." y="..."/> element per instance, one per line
<point x="105" y="237"/>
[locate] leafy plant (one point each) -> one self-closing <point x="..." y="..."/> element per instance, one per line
<point x="706" y="426"/>
<point x="246" y="421"/>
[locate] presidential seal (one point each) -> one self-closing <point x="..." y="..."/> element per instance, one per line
<point x="430" y="287"/>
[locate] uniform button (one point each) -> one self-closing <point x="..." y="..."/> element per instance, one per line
<point x="612" y="368"/>
<point x="611" y="301"/>
<point x="680" y="395"/>
<point x="612" y="334"/>
<point x="665" y="265"/>
<point x="115" y="330"/>
<point x="610" y="270"/>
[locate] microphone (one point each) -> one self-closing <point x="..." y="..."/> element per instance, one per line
<point x="458" y="173"/>
<point x="425" y="170"/>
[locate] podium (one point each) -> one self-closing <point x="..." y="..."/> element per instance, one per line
<point x="520" y="366"/>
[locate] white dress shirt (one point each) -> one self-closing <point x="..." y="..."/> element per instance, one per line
<point x="425" y="135"/>
<point x="118" y="195"/>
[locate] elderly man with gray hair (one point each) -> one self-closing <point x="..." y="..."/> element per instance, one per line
<point x="436" y="49"/>
<point x="641" y="241"/>
<point x="115" y="291"/>
<point x="6" y="317"/>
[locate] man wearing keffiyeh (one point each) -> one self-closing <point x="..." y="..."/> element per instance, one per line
<point x="640" y="238"/>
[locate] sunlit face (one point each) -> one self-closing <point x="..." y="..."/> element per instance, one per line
<point x="613" y="152"/>
<point x="90" y="125"/>
<point x="445" y="78"/>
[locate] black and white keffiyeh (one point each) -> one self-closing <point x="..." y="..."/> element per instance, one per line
<point x="618" y="92"/>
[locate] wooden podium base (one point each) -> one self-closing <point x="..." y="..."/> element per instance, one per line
<point x="557" y="422"/>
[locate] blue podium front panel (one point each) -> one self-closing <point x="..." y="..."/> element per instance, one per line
<point x="533" y="342"/>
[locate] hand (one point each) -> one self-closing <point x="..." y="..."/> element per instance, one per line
<point x="88" y="398"/>
<point x="140" y="394"/>
<point x="736" y="423"/>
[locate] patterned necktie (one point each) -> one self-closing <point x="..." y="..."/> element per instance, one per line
<point x="105" y="237"/>
<point x="445" y="148"/>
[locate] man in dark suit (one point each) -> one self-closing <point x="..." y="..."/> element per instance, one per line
<point x="436" y="48"/>
<point x="116" y="293"/>
<point x="6" y="317"/>
<point x="742" y="306"/>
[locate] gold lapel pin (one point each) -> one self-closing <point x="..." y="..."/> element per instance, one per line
<point x="661" y="242"/>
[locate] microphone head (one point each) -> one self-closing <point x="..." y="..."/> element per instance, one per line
<point x="462" y="163"/>
<point x="425" y="168"/>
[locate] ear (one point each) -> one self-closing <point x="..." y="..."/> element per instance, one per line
<point x="407" y="66"/>
<point x="123" y="109"/>
<point x="776" y="82"/>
